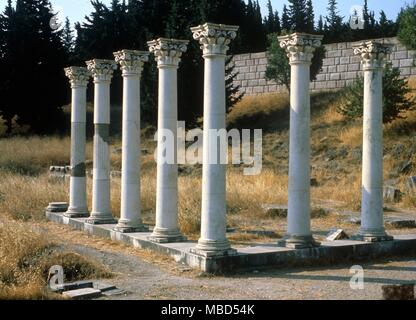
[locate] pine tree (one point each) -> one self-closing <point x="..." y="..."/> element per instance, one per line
<point x="320" y="29"/>
<point x="277" y="22"/>
<point x="286" y="26"/>
<point x="269" y="21"/>
<point x="68" y="37"/>
<point x="33" y="62"/>
<point x="310" y="16"/>
<point x="335" y="27"/>
<point x="298" y="13"/>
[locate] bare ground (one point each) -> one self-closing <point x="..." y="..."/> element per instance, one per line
<point x="145" y="275"/>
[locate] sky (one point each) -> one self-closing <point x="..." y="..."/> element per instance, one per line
<point x="77" y="9"/>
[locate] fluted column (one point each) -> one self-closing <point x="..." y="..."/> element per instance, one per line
<point x="168" y="54"/>
<point x="214" y="40"/>
<point x="131" y="63"/>
<point x="300" y="48"/>
<point x="102" y="71"/>
<point x="372" y="217"/>
<point x="78" y="78"/>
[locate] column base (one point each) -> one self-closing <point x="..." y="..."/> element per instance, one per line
<point x="97" y="220"/>
<point x="372" y="236"/>
<point x="165" y="236"/>
<point x="127" y="229"/>
<point x="209" y="249"/>
<point x="73" y="213"/>
<point x="298" y="242"/>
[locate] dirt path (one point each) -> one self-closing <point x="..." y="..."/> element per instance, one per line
<point x="148" y="276"/>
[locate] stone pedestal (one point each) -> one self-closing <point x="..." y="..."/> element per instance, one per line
<point x="131" y="63"/>
<point x="102" y="71"/>
<point x="300" y="48"/>
<point x="168" y="54"/>
<point x="214" y="41"/>
<point x="79" y="78"/>
<point x="372" y="216"/>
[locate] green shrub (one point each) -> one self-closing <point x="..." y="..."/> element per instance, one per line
<point x="396" y="98"/>
<point x="407" y="26"/>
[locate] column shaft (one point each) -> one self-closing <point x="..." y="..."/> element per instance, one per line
<point x="299" y="159"/>
<point x="213" y="215"/>
<point x="214" y="39"/>
<point x="300" y="48"/>
<point x="168" y="53"/>
<point x="78" y="207"/>
<point x="372" y="215"/>
<point x="101" y="193"/>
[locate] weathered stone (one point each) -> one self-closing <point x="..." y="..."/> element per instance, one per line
<point x="273" y="211"/>
<point x="392" y="194"/>
<point x="74" y="286"/>
<point x="57" y="207"/>
<point x="398" y="223"/>
<point x="83" y="294"/>
<point x="411" y="184"/>
<point x="337" y="234"/>
<point x="406" y="167"/>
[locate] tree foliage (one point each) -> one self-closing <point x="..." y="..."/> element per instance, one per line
<point x="396" y="98"/>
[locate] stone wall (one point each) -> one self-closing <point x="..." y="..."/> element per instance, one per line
<point x="340" y="68"/>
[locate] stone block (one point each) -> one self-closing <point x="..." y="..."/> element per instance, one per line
<point x="272" y="88"/>
<point x="328" y="62"/>
<point x="240" y="63"/>
<point x="262" y="82"/>
<point x="401" y="223"/>
<point x="275" y="210"/>
<point x="336" y="60"/>
<point x="258" y="55"/>
<point x="400" y="55"/>
<point x="321" y="77"/>
<point x="262" y="75"/>
<point x="342" y="68"/>
<point x="263" y="61"/>
<point x="320" y="85"/>
<point x="342" y="45"/>
<point x="243" y="70"/>
<point x="258" y="89"/>
<point x="391" y="194"/>
<point x="344" y="60"/>
<point x="348" y="52"/>
<point x="82" y="294"/>
<point x="337" y="234"/>
<point x="333" y="53"/>
<point x="261" y="68"/>
<point x="413" y="71"/>
<point x="355" y="59"/>
<point x="240" y="76"/>
<point x="244" y="83"/>
<point x="250" y="62"/>
<point x="335" y="76"/>
<point x="331" y="85"/>
<point x="353" y="67"/>
<point x="253" y="83"/>
<point x="332" y="69"/>
<point x="395" y="63"/>
<point x="253" y="69"/>
<point x="341" y="83"/>
<point x="349" y="75"/>
<point x="405" y="71"/>
<point x="250" y="76"/>
<point x="406" y="63"/>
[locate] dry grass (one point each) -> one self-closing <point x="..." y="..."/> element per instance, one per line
<point x="27" y="255"/>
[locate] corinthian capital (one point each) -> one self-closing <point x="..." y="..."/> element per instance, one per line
<point x="102" y="70"/>
<point x="214" y="38"/>
<point x="78" y="76"/>
<point x="372" y="54"/>
<point x="168" y="52"/>
<point x="300" y="47"/>
<point x="131" y="61"/>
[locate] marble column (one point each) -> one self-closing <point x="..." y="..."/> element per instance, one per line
<point x="300" y="48"/>
<point x="168" y="54"/>
<point x="79" y="78"/>
<point x="214" y="40"/>
<point x="102" y="71"/>
<point x="131" y="63"/>
<point x="372" y="216"/>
